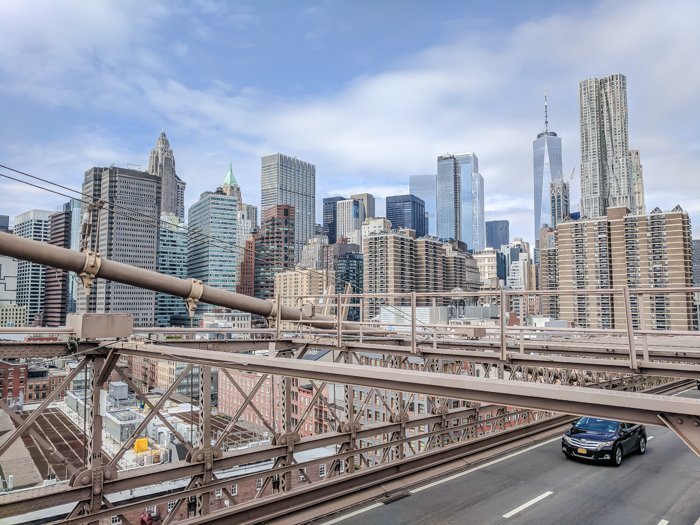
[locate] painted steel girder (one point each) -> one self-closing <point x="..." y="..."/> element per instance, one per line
<point x="622" y="406"/>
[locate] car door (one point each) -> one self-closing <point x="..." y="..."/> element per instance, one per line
<point x="627" y="436"/>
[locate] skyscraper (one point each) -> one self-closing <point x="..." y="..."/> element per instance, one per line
<point x="246" y="223"/>
<point x="213" y="262"/>
<point x="161" y="163"/>
<point x="5" y="223"/>
<point x="473" y="229"/>
<point x="289" y="181"/>
<point x="75" y="289"/>
<point x="330" y="205"/>
<point x="120" y="233"/>
<point x="172" y="260"/>
<point x="558" y="202"/>
<point x="313" y="254"/>
<point x="31" y="277"/>
<point x="56" y="286"/>
<point x="424" y="187"/>
<point x="62" y="288"/>
<point x="348" y="275"/>
<point x="497" y="233"/>
<point x="637" y="183"/>
<point x="407" y="211"/>
<point x="367" y="200"/>
<point x="547" y="163"/>
<point x="606" y="163"/>
<point x="448" y="198"/>
<point x="696" y="262"/>
<point x="460" y="200"/>
<point x="350" y="214"/>
<point x="274" y="248"/>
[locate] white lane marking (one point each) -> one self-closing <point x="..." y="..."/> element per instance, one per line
<point x="528" y="504"/>
<point x="649" y="438"/>
<point x="455" y="476"/>
<point x="663" y="522"/>
<point x="684" y="391"/>
<point x="346" y="516"/>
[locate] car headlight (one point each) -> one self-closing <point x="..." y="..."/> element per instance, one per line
<point x="605" y="444"/>
<point x="566" y="439"/>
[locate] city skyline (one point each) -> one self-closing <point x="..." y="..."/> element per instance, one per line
<point x="242" y="114"/>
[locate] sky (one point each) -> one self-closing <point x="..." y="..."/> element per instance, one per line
<point x="370" y="92"/>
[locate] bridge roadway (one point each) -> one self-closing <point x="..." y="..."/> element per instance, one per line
<point x="659" y="488"/>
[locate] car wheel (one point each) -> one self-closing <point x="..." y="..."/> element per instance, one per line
<point x="617" y="456"/>
<point x="642" y="445"/>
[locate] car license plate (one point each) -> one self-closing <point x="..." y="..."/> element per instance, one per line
<point x="581" y="451"/>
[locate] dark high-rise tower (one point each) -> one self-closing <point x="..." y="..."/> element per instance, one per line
<point x="497" y="234"/>
<point x="330" y="217"/>
<point x="407" y="211"/>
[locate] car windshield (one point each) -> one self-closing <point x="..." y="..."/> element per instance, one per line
<point x="597" y="425"/>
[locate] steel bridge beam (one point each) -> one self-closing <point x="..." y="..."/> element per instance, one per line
<point x="91" y="265"/>
<point x="622" y="406"/>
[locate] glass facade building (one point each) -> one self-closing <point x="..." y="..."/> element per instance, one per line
<point x="214" y="263"/>
<point x="172" y="260"/>
<point x="460" y="200"/>
<point x="407" y="211"/>
<point x="290" y="181"/>
<point x="424" y="187"/>
<point x="447" y="198"/>
<point x="547" y="164"/>
<point x="473" y="227"/>
<point x="330" y="209"/>
<point x="497" y="234"/>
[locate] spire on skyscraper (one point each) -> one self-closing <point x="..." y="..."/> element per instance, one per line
<point x="230" y="180"/>
<point x="230" y="186"/>
<point x="546" y="122"/>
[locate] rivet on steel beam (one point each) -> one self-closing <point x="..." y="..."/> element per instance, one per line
<point x="679" y="420"/>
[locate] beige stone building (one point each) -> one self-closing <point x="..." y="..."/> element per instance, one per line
<point x="295" y="286"/>
<point x="396" y="262"/>
<point x="487" y="264"/>
<point x="430" y="269"/>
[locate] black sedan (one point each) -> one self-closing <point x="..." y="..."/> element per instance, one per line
<point x="597" y="439"/>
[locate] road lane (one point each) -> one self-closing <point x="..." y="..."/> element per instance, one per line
<point x="664" y="484"/>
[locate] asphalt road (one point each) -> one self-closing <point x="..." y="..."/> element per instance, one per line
<point x="659" y="488"/>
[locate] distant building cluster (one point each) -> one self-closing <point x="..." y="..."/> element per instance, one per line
<point x="432" y="239"/>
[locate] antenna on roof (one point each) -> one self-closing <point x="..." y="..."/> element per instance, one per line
<point x="546" y="122"/>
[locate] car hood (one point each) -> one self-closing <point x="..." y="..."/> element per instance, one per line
<point x="589" y="435"/>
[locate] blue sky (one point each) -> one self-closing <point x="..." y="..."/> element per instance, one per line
<point x="370" y="92"/>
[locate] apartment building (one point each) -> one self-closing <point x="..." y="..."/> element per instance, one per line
<point x="622" y="249"/>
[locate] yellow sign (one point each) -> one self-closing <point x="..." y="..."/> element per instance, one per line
<point x="141" y="445"/>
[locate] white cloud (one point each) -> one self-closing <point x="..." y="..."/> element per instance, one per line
<point x="481" y="93"/>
